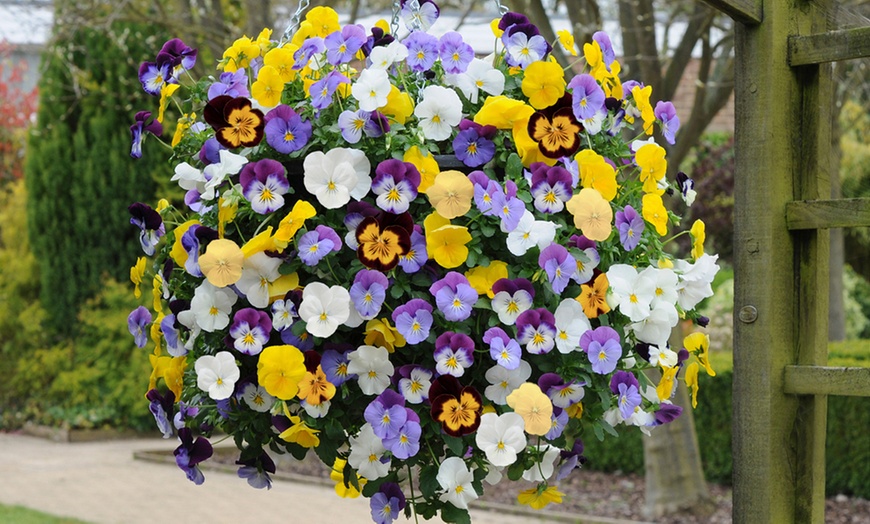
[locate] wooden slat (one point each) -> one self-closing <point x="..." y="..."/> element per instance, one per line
<point x="822" y="380"/>
<point x="829" y="47"/>
<point x="743" y="11"/>
<point x="825" y="214"/>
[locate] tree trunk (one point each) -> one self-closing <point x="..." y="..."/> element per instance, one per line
<point x="674" y="477"/>
<point x="259" y="16"/>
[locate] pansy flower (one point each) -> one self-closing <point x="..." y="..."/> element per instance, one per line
<point x="508" y="207"/>
<point x="571" y="324"/>
<point x="551" y="187"/>
<point x="368" y="292"/>
<point x="371" y="89"/>
<point x="316" y="244"/>
<point x="342" y="46"/>
<point x="334" y="364"/>
<point x="235" y="122"/>
<point x="555" y="129"/>
<point x="630" y="226"/>
<point x="387" y="504"/>
<point x="285" y="130"/>
<point x="456" y="408"/>
<point x="217" y="374"/>
<point x="451" y="194"/>
<point x="310" y="47"/>
<point x="324" y="308"/>
<point x="420" y="14"/>
<point x="524" y="45"/>
<point x="190" y="453"/>
<point x="473" y="144"/>
<point x="160" y="407"/>
<point x="154" y="76"/>
<point x="687" y="188"/>
<point x="415" y="383"/>
<point x="372" y="367"/>
<point x="536" y="330"/>
<point x="322" y="90"/>
<point x="511" y="298"/>
<point x="503" y="381"/>
<point x="592" y="214"/>
<point x="454" y="353"/>
<point x="439" y="111"/>
<point x="136" y="322"/>
<point x="150" y="225"/>
<point x="386" y="414"/>
<point x="256" y="471"/>
<point x="395" y="185"/>
<point x="479" y="76"/>
<point x="234" y="84"/>
<point x="315" y="389"/>
<point x="454" y="296"/>
<point x="501" y="437"/>
<point x="413" y="320"/>
<point x="264" y="184"/>
<point x="533" y="406"/>
<point x="337" y="175"/>
<point x="250" y="331"/>
<point x="587" y="96"/>
<point x="413" y="260"/>
<point x="561" y="392"/>
<point x="383" y="239"/>
<point x="667" y="115"/>
<point x="544" y="84"/>
<point x="502" y="348"/>
<point x="559" y="266"/>
<point x="366" y="453"/>
<point x="455" y="53"/>
<point x="143" y="125"/>
<point x="529" y="233"/>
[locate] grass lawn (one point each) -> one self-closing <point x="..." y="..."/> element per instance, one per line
<point x="22" y="515"/>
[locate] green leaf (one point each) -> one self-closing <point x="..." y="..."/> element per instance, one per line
<point x="599" y="431"/>
<point x="450" y="513"/>
<point x="429" y="482"/>
<point x="608" y="428"/>
<point x="514" y="167"/>
<point x="515" y="471"/>
<point x="455" y="445"/>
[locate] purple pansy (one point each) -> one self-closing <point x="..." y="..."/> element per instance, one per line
<point x="150" y="225"/>
<point x="153" y="76"/>
<point x="161" y="407"/>
<point x="310" y="47"/>
<point x="137" y="322"/>
<point x="172" y="335"/>
<point x="508" y="208"/>
<point x="178" y="55"/>
<point x="559" y="420"/>
<point x="455" y="53"/>
<point x="561" y="393"/>
<point x="387" y="504"/>
<point x="334" y="365"/>
<point x="630" y="226"/>
<point x="687" y="188"/>
<point x="502" y="348"/>
<point x="322" y="90"/>
<point x="524" y="45"/>
<point x="316" y="244"/>
<point x="285" y="130"/>
<point x="250" y="331"/>
<point x="141" y="125"/>
<point x="341" y="46"/>
<point x="559" y="265"/>
<point x="422" y="51"/>
<point x="628" y="399"/>
<point x="368" y="292"/>
<point x="256" y="471"/>
<point x="413" y="260"/>
<point x="303" y="340"/>
<point x="511" y="298"/>
<point x="413" y="320"/>
<point x="395" y="185"/>
<point x="386" y="414"/>
<point x="471" y="147"/>
<point x="264" y="184"/>
<point x="190" y="453"/>
<point x="233" y="84"/>
<point x="406" y="443"/>
<point x="551" y="187"/>
<point x="377" y="38"/>
<point x="536" y="329"/>
<point x="585" y="266"/>
<point x="210" y="152"/>
<point x="587" y="96"/>
<point x="484" y="190"/>
<point x="667" y="413"/>
<point x="419" y="15"/>
<point x="603" y="349"/>
<point x="454" y="296"/>
<point x="667" y="114"/>
<point x="352" y="124"/>
<point x="454" y="353"/>
<point x="606" y="47"/>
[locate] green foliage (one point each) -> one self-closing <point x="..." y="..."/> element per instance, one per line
<point x="79" y="173"/>
<point x="847" y="449"/>
<point x="713" y="173"/>
<point x="856" y="300"/>
<point x="22" y="515"/>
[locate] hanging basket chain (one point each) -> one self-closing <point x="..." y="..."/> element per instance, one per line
<point x="294" y="20"/>
<point x="502" y="9"/>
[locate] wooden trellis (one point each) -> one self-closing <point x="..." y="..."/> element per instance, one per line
<point x="782" y="213"/>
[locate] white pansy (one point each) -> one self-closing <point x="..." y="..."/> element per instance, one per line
<point x="633" y="292"/>
<point x="371" y="89"/>
<point x="695" y="280"/>
<point x="337" y="175"/>
<point x="217" y="375"/>
<point x="439" y="112"/>
<point x="656" y="328"/>
<point x="415" y="388"/>
<point x="501" y="437"/>
<point x="324" y="308"/>
<point x="480" y="76"/>
<point x="366" y="452"/>
<point x="665" y="281"/>
<point x="455" y="479"/>
<point x="544" y="470"/>
<point x="215" y="174"/>
<point x="662" y="356"/>
<point x="509" y="307"/>
<point x="258" y="273"/>
<point x="372" y="367"/>
<point x="211" y="306"/>
<point x="504" y="381"/>
<point x="571" y="323"/>
<point x="383" y="57"/>
<point x="529" y="233"/>
<point x="257" y="398"/>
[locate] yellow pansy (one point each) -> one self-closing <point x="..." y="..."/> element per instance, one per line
<point x="399" y="105"/>
<point x="136" y="274"/>
<point x="299" y="432"/>
<point x="183" y="125"/>
<point x="692" y="381"/>
<point x="666" y="384"/>
<point x="536" y="408"/>
<point x="157" y="293"/>
<point x="654" y="212"/>
<point x="592" y="213"/>
<point x="641" y="100"/>
<point x="447" y="245"/>
<point x="699" y="344"/>
<point x="239" y="55"/>
<point x="566" y="38"/>
<point x="493" y="25"/>
<point x="482" y="278"/>
<point x="651" y="160"/>
<point x="699" y="235"/>
<point x="268" y="87"/>
<point x="539" y="498"/>
<point x="262" y="242"/>
<point x="264" y="40"/>
<point x="280" y="369"/>
<point x="222" y="262"/>
<point x="165" y="93"/>
<point x="290" y="224"/>
<point x="451" y="194"/>
<point x="336" y="474"/>
<point x="502" y="112"/>
<point x="425" y="163"/>
<point x="323" y="20"/>
<point x="596" y="173"/>
<point x="380" y="333"/>
<point x="281" y="58"/>
<point x="543" y="83"/>
<point x="527" y="148"/>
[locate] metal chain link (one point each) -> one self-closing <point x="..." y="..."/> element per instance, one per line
<point x="502" y="9"/>
<point x="394" y="22"/>
<point x="295" y="19"/>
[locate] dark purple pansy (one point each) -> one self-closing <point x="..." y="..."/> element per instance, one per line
<point x="667" y="115"/>
<point x="256" y="471"/>
<point x="230" y="84"/>
<point x="150" y="225"/>
<point x="178" y="55"/>
<point x="143" y="123"/>
<point x="153" y="76"/>
<point x="285" y="130"/>
<point x="264" y="184"/>
<point x="190" y="453"/>
<point x="161" y="407"/>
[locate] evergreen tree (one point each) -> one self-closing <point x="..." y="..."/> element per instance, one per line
<point x="79" y="173"/>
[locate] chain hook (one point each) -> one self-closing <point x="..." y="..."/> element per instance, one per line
<point x="295" y="19"/>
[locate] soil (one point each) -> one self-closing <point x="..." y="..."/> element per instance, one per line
<point x="595" y="493"/>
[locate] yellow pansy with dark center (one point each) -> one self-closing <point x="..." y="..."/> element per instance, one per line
<point x="315" y="388"/>
<point x="235" y="122"/>
<point x="383" y="240"/>
<point x="593" y="296"/>
<point x="458" y="409"/>
<point x="556" y="130"/>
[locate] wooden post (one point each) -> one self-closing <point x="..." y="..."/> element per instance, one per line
<point x="782" y="124"/>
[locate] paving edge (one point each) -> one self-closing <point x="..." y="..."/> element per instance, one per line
<point x="166" y="457"/>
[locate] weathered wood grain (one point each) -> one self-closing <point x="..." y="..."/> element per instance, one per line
<point x="832" y="46"/>
<point x="823" y="380"/>
<point x="743" y="11"/>
<point x="826" y="214"/>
